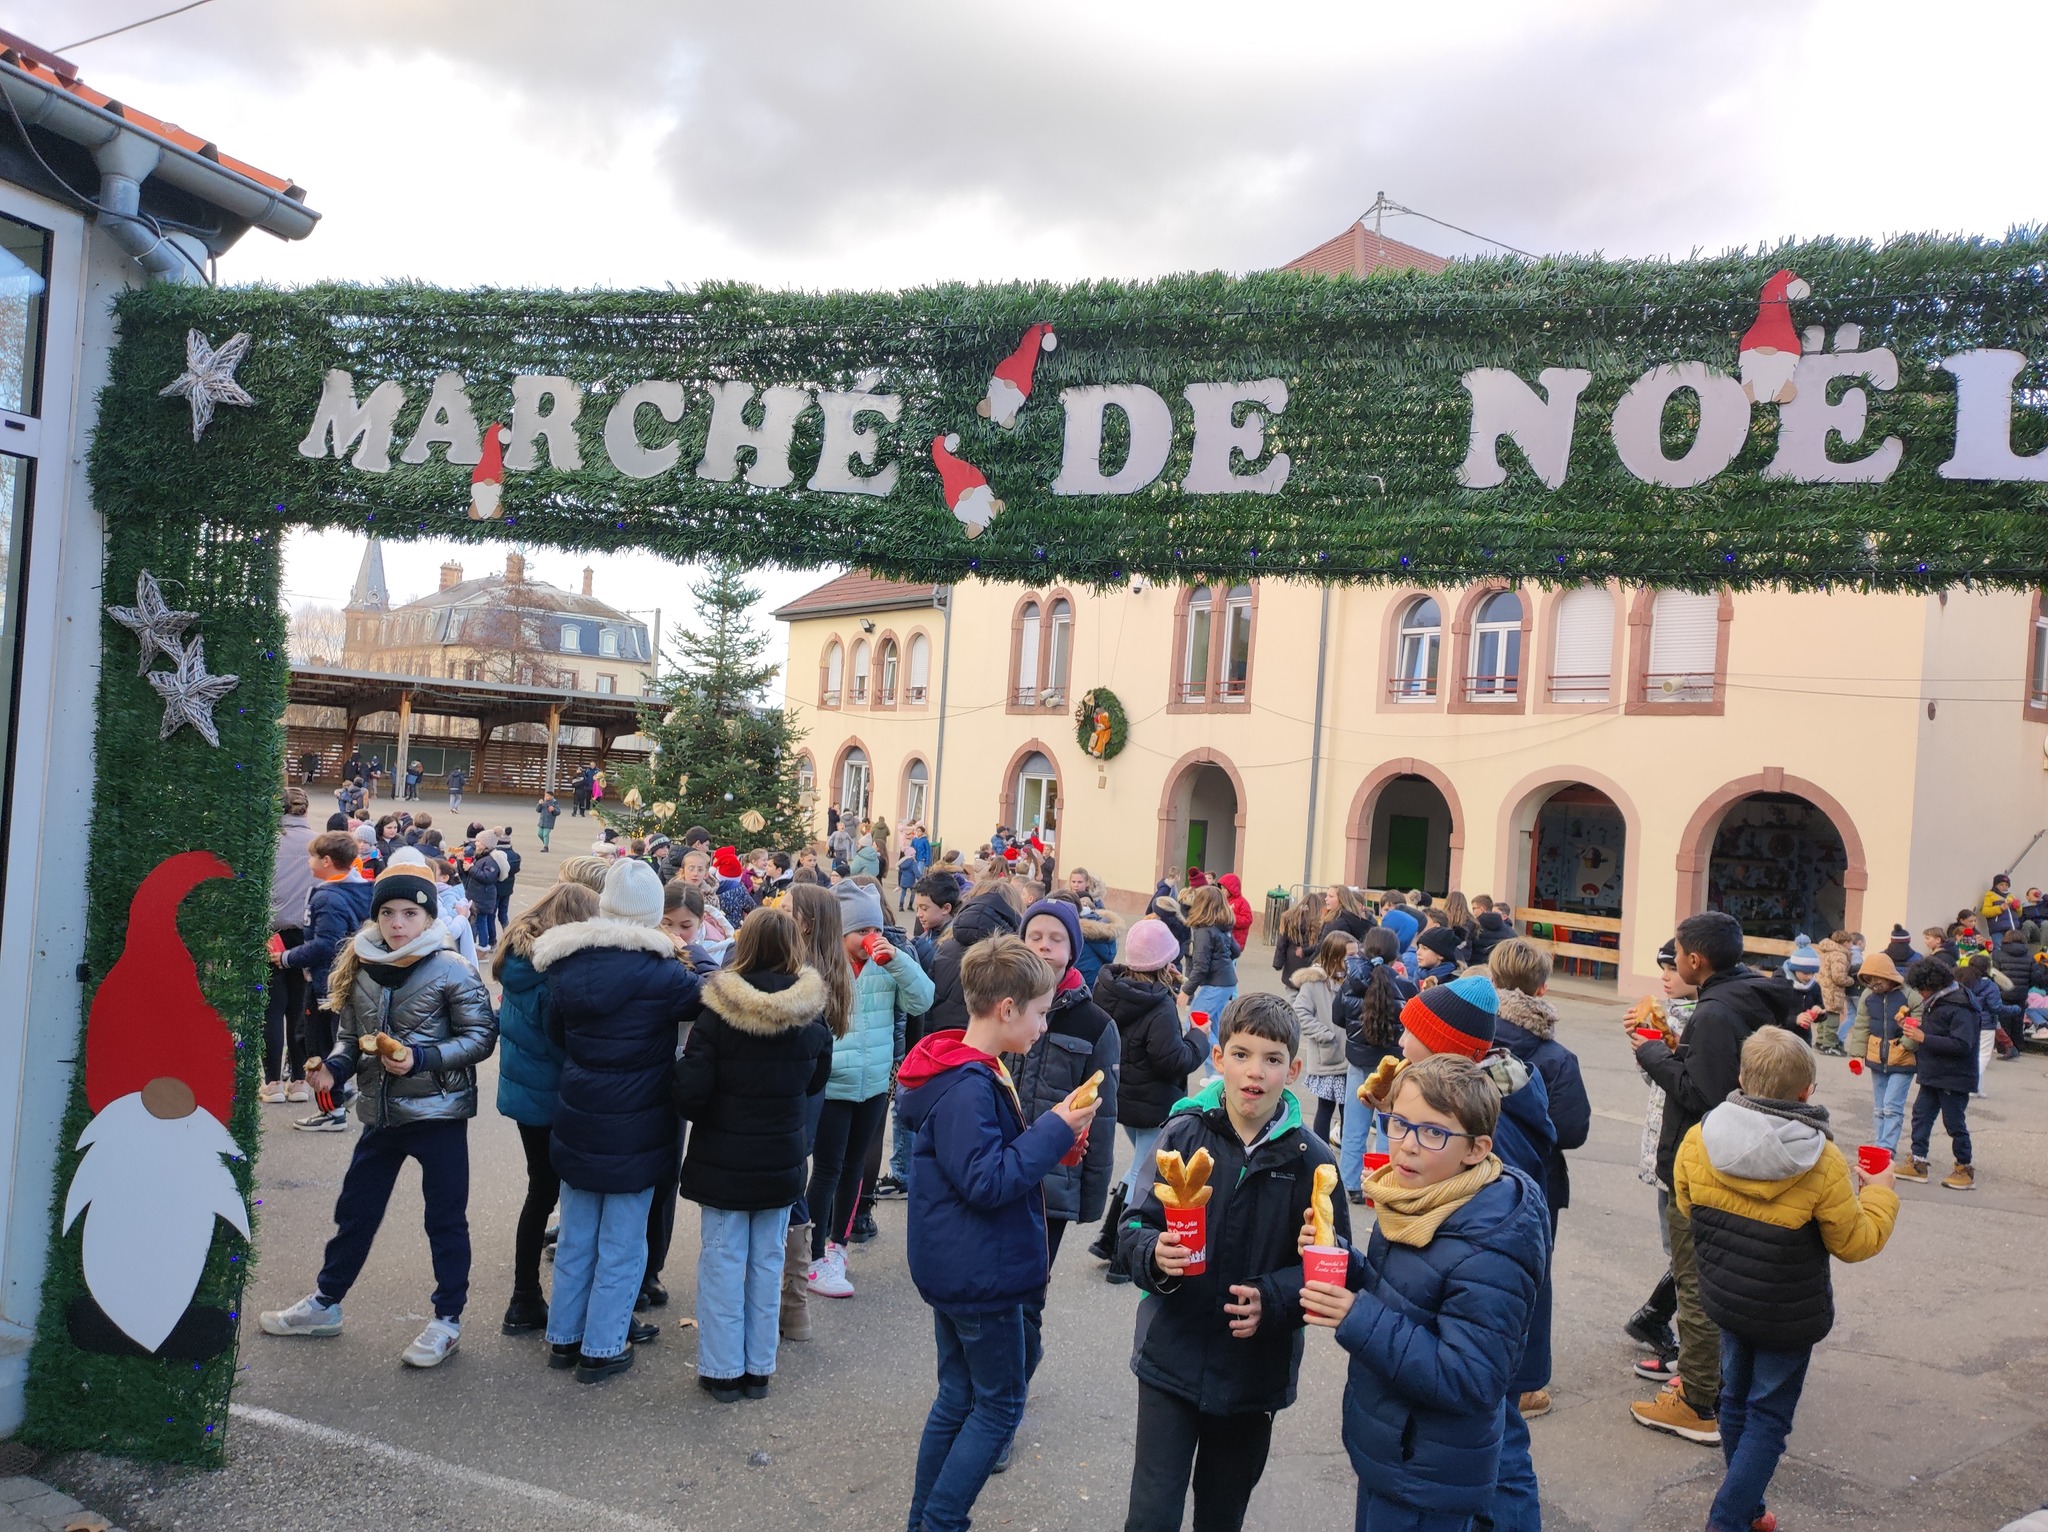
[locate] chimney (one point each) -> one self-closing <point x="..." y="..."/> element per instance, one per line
<point x="515" y="568"/>
<point x="451" y="574"/>
<point x="586" y="579"/>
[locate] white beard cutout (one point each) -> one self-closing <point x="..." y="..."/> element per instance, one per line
<point x="155" y="1186"/>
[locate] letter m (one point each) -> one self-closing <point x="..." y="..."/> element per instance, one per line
<point x="340" y="418"/>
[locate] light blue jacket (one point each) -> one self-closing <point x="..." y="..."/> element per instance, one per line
<point x="862" y="1059"/>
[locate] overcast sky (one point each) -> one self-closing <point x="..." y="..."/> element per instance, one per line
<point x="816" y="144"/>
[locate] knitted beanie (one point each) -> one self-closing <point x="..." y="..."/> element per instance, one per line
<point x="1150" y="947"/>
<point x="860" y="908"/>
<point x="631" y="894"/>
<point x="407" y="884"/>
<point x="1441" y="941"/>
<point x="1457" y="1017"/>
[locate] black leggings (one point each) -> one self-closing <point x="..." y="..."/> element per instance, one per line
<point x="1325" y="1111"/>
<point x="284" y="1016"/>
<point x="661" y="1214"/>
<point x="844" y="1129"/>
<point x="543" y="1188"/>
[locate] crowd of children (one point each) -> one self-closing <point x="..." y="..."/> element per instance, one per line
<point x="748" y="1033"/>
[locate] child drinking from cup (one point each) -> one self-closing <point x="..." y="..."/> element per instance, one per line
<point x="1219" y="1333"/>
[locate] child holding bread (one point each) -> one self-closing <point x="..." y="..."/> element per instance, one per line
<point x="1435" y="1309"/>
<point x="415" y="1020"/>
<point x="1219" y="1335"/>
<point x="977" y="1218"/>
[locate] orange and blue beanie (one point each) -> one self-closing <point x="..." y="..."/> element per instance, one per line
<point x="1457" y="1017"/>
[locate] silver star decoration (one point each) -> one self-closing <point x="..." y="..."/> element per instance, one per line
<point x="189" y="693"/>
<point x="159" y="628"/>
<point x="209" y="377"/>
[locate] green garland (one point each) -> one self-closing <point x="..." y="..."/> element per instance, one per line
<point x="1375" y="427"/>
<point x="1119" y="723"/>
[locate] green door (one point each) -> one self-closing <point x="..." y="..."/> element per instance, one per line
<point x="1407" y="850"/>
<point x="1198" y="845"/>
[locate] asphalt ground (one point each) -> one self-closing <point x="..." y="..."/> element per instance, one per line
<point x="1923" y="1409"/>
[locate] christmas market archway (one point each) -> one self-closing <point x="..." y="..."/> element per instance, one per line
<point x="1830" y="414"/>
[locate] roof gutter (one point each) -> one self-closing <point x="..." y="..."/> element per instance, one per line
<point x="126" y="158"/>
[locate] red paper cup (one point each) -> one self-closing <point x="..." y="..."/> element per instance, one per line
<point x="1649" y="1034"/>
<point x="869" y="941"/>
<point x="1374" y="1162"/>
<point x="1073" y="1155"/>
<point x="1855" y="1066"/>
<point x="1325" y="1263"/>
<point x="1191" y="1227"/>
<point x="1873" y="1158"/>
<point x="1198" y="1018"/>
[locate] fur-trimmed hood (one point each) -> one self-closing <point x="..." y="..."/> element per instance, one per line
<point x="591" y="935"/>
<point x="1100" y="925"/>
<point x="1531" y="1013"/>
<point x="1309" y="975"/>
<point x="759" y="1004"/>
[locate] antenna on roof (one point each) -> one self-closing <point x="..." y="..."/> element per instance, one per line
<point x="1382" y="205"/>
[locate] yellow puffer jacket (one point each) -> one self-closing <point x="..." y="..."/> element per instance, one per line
<point x="1770" y="1201"/>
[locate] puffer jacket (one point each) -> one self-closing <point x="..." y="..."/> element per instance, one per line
<point x="986" y="914"/>
<point x="1079" y="1038"/>
<point x="2014" y="961"/>
<point x="1947" y="1051"/>
<point x="334" y="913"/>
<point x="529" y="1063"/>
<point x="758" y="1052"/>
<point x="1886" y="1049"/>
<point x="1156" y="1052"/>
<point x="1240" y="909"/>
<point x="1708" y="1063"/>
<point x="480" y="881"/>
<point x="618" y="1000"/>
<point x="1527" y="1028"/>
<point x="1488" y="932"/>
<point x="1166" y="907"/>
<point x="1435" y="1339"/>
<point x="862" y="1059"/>
<point x="1769" y="1200"/>
<point x="1347" y="1010"/>
<point x="291" y="878"/>
<point x="1183" y="1343"/>
<point x="1100" y="929"/>
<point x="1212" y="959"/>
<point x="438" y="1007"/>
<point x="1322" y="1040"/>
<point x="1836" y="979"/>
<point x="1523" y="1140"/>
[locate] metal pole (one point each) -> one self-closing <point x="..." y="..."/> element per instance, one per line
<point x="554" y="737"/>
<point x="943" y="600"/>
<point x="1315" y="746"/>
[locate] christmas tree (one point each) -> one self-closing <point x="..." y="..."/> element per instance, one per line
<point x="721" y="755"/>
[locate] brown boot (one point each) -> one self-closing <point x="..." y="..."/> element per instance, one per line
<point x="795" y="1321"/>
<point x="1670" y="1413"/>
<point x="1910" y="1170"/>
<point x="1962" y="1179"/>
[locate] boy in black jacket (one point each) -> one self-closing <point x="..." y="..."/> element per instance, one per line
<point x="1217" y="1353"/>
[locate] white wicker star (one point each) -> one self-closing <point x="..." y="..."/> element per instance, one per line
<point x="158" y="627"/>
<point x="189" y="693"/>
<point x="209" y="377"/>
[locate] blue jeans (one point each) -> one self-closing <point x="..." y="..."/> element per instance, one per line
<point x="1888" y="1113"/>
<point x="1142" y="1140"/>
<point x="1359" y="1132"/>
<point x="600" y="1259"/>
<point x="1759" y="1392"/>
<point x="984" y="1364"/>
<point x="900" y="1141"/>
<point x="1211" y="999"/>
<point x="1516" y="1507"/>
<point x="1377" y="1515"/>
<point x="484" y="924"/>
<point x="739" y="1291"/>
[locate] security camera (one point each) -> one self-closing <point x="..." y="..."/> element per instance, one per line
<point x="867" y="625"/>
<point x="1137" y="585"/>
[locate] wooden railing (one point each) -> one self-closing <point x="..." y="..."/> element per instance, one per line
<point x="1585" y="951"/>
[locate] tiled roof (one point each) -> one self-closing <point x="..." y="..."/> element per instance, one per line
<point x="63" y="74"/>
<point x="1358" y="252"/>
<point x="857" y="591"/>
<point x="531" y="594"/>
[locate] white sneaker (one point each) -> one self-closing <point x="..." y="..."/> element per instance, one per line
<point x="298" y="1090"/>
<point x="431" y="1346"/>
<point x="828" y="1274"/>
<point x="270" y="1092"/>
<point x="309" y="1316"/>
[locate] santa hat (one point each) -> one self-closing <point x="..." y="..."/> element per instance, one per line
<point x="966" y="490"/>
<point x="487" y="479"/>
<point x="1773" y="329"/>
<point x="1009" y="853"/>
<point x="727" y="860"/>
<point x="1010" y="385"/>
<point x="150" y="1020"/>
<point x="1036" y="844"/>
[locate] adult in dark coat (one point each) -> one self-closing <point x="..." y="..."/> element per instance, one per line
<point x="987" y="914"/>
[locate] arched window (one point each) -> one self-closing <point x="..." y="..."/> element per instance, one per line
<point x="1422" y="637"/>
<point x="1026" y="685"/>
<point x="806" y="780"/>
<point x="1582" y="647"/>
<point x="1062" y="654"/>
<point x="886" y="697"/>
<point x="1194" y="684"/>
<point x="858" y="694"/>
<point x="1038" y="791"/>
<point x="608" y="642"/>
<point x="855" y="781"/>
<point x="916" y="792"/>
<point x="1237" y="643"/>
<point x="920" y="670"/>
<point x="1496" y="650"/>
<point x="1684" y="639"/>
<point x="834" y="675"/>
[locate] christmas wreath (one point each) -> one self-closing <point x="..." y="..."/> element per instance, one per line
<point x="1100" y="724"/>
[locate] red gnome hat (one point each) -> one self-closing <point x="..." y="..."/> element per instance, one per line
<point x="1773" y="329"/>
<point x="487" y="479"/>
<point x="957" y="476"/>
<point x="150" y="1019"/>
<point x="1017" y="368"/>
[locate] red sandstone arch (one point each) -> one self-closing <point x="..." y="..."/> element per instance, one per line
<point x="1696" y="844"/>
<point x="1358" y="828"/>
<point x="1205" y="756"/>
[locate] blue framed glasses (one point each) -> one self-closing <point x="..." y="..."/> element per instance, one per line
<point x="1427" y="1134"/>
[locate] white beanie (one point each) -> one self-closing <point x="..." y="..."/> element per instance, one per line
<point x="631" y="894"/>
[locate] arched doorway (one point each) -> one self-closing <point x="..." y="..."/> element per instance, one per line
<point x="855" y="783"/>
<point x="1566" y="853"/>
<point x="1201" y="816"/>
<point x="1405" y="830"/>
<point x="1776" y="864"/>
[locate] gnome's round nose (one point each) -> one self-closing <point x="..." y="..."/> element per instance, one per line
<point x="169" y="1098"/>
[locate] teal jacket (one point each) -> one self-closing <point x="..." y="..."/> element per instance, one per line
<point x="862" y="1059"/>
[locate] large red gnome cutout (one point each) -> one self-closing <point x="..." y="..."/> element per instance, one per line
<point x="1770" y="346"/>
<point x="1010" y="384"/>
<point x="487" y="479"/>
<point x="160" y="1078"/>
<point x="967" y="493"/>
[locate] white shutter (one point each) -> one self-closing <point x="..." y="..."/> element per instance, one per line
<point x="920" y="663"/>
<point x="1582" y="658"/>
<point x="1684" y="633"/>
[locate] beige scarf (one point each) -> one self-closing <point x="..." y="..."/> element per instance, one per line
<point x="1412" y="1215"/>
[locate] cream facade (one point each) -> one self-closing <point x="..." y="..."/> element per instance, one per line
<point x="1621" y="756"/>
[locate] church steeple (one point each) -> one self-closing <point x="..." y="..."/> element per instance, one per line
<point x="370" y="593"/>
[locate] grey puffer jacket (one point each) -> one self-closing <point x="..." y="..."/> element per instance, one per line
<point x="439" y="1008"/>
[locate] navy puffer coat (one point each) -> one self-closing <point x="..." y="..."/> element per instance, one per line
<point x="618" y="999"/>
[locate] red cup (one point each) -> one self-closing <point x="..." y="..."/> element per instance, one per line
<point x="1191" y="1227"/>
<point x="869" y="941"/>
<point x="1325" y="1263"/>
<point x="1073" y="1155"/>
<point x="1873" y="1158"/>
<point x="1650" y="1034"/>
<point x="1855" y="1066"/>
<point x="1374" y="1162"/>
<point x="1198" y="1018"/>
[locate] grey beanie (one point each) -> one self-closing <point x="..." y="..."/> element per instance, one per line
<point x="860" y="909"/>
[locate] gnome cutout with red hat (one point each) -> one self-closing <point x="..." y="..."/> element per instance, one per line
<point x="1010" y="385"/>
<point x="487" y="479"/>
<point x="967" y="493"/>
<point x="160" y="1079"/>
<point x="1770" y="346"/>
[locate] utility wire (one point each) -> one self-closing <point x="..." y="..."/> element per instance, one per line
<point x="1382" y="205"/>
<point x="146" y="21"/>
